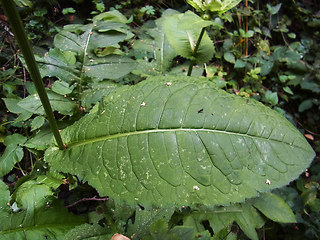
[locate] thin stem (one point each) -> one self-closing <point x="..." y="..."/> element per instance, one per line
<point x="247" y="29"/>
<point x="192" y="63"/>
<point x="87" y="199"/>
<point x="24" y="44"/>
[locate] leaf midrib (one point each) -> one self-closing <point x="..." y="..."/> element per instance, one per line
<point x="118" y="135"/>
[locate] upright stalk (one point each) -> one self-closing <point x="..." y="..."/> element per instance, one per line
<point x="192" y="63"/>
<point x="247" y="29"/>
<point x="25" y="47"/>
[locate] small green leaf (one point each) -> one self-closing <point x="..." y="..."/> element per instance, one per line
<point x="218" y="81"/>
<point x="292" y="35"/>
<point x="274" y="9"/>
<point x="283" y="78"/>
<point x="32" y="192"/>
<point x="222" y="6"/>
<point x="239" y="63"/>
<point x="197" y="4"/>
<point x="112" y="16"/>
<point x="59" y="103"/>
<point x="288" y="90"/>
<point x="12" y="105"/>
<point x="12" y="154"/>
<point x="51" y="179"/>
<point x="62" y="87"/>
<point x="229" y="57"/>
<point x="37" y="122"/>
<point x="275" y="208"/>
<point x="305" y="105"/>
<point x="41" y="140"/>
<point x="15" y="139"/>
<point x="247" y="34"/>
<point x="68" y="10"/>
<point x="227" y="44"/>
<point x="309" y="195"/>
<point x="24" y="3"/>
<point x="271" y="97"/>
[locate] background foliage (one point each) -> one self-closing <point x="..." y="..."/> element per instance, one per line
<point x="266" y="51"/>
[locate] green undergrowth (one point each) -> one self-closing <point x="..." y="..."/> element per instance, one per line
<point x="228" y="152"/>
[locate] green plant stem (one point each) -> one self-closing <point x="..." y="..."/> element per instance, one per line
<point x="25" y="46"/>
<point x="192" y="63"/>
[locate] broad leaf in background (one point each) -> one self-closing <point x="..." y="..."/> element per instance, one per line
<point x="60" y="64"/>
<point x="12" y="154"/>
<point x="23" y="3"/>
<point x="145" y="218"/>
<point x="183" y="30"/>
<point x="179" y="141"/>
<point x="32" y="105"/>
<point x="220" y="218"/>
<point x="88" y="44"/>
<point x="96" y="92"/>
<point x="12" y="106"/>
<point x="160" y="230"/>
<point x="41" y="139"/>
<point x="89" y="231"/>
<point x="59" y="103"/>
<point x="37" y="122"/>
<point x="273" y="207"/>
<point x="39" y="217"/>
<point x="4" y="200"/>
<point x="154" y="45"/>
<point x="216" y="6"/>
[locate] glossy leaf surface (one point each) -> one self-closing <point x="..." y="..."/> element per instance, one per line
<point x="180" y="141"/>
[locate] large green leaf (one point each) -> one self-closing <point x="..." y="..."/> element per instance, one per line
<point x="183" y="31"/>
<point x="178" y="140"/>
